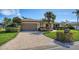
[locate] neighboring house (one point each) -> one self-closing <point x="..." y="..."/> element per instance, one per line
<point x="77" y="27"/>
<point x="30" y="25"/>
<point x="1" y="25"/>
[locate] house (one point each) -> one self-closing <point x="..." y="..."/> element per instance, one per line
<point x="1" y="25"/>
<point x="33" y="25"/>
<point x="30" y="25"/>
<point x="76" y="27"/>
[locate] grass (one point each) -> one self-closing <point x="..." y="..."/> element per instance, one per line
<point x="50" y="34"/>
<point x="75" y="34"/>
<point x="6" y="36"/>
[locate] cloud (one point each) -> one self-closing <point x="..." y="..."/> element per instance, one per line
<point x="10" y="12"/>
<point x="18" y="13"/>
<point x="72" y="20"/>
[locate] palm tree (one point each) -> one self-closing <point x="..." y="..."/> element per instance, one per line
<point x="50" y="17"/>
<point x="77" y="14"/>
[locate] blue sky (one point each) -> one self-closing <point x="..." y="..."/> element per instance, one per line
<point x="61" y="14"/>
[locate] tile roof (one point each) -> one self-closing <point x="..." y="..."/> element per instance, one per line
<point x="32" y="20"/>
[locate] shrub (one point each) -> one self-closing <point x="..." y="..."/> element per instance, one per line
<point x="11" y="25"/>
<point x="61" y="28"/>
<point x="64" y="37"/>
<point x="71" y="27"/>
<point x="68" y="37"/>
<point x="1" y="29"/>
<point x="60" y="36"/>
<point x="12" y="29"/>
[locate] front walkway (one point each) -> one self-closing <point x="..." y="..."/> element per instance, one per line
<point x="29" y="40"/>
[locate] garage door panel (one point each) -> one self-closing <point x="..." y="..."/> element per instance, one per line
<point x="29" y="26"/>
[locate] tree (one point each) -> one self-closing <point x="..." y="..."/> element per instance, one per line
<point x="77" y="14"/>
<point x="17" y="20"/>
<point x="7" y="21"/>
<point x="50" y="17"/>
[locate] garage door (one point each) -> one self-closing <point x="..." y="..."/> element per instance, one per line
<point x="29" y="26"/>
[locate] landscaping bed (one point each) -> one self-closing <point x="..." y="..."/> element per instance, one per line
<point x="6" y="36"/>
<point x="52" y="34"/>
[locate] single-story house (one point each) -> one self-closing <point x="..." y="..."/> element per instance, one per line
<point x="32" y="25"/>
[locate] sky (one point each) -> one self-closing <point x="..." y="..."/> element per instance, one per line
<point x="38" y="14"/>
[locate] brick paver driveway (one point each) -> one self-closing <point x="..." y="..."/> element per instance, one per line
<point x="29" y="40"/>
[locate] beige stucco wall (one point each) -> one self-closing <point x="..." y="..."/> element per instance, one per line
<point x="43" y="24"/>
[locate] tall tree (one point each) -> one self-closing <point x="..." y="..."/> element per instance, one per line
<point x="50" y="17"/>
<point x="77" y="14"/>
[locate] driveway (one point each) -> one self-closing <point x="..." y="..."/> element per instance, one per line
<point x="29" y="40"/>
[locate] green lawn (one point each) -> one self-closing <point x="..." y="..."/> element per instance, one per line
<point x="53" y="34"/>
<point x="75" y="35"/>
<point x="50" y="34"/>
<point x="5" y="36"/>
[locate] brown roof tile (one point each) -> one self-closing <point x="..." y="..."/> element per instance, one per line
<point x="30" y="20"/>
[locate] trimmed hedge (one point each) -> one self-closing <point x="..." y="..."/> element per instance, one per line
<point x="12" y="29"/>
<point x="64" y="37"/>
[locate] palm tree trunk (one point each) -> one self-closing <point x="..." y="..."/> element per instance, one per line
<point x="49" y="26"/>
<point x="77" y="22"/>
